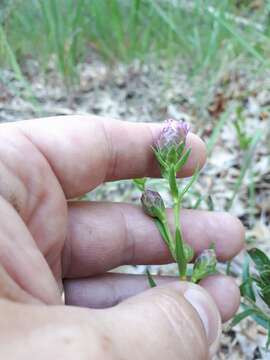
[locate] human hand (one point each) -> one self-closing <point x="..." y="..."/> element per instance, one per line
<point x="45" y="239"/>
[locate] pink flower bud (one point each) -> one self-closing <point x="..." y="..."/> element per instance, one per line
<point x="173" y="133"/>
<point x="152" y="203"/>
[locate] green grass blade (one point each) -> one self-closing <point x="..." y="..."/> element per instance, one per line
<point x="216" y="132"/>
<point x="150" y="279"/>
<point x="243" y="315"/>
<point x="246" y="165"/>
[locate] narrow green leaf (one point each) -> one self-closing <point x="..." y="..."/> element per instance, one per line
<point x="190" y="183"/>
<point x="181" y="162"/>
<point x="159" y="158"/>
<point x="172" y="156"/>
<point x="180" y="149"/>
<point x="150" y="279"/>
<point x="172" y="182"/>
<point x="259" y="317"/>
<point x="262" y="264"/>
<point x="166" y="236"/>
<point x="268" y="337"/>
<point x="246" y="287"/>
<point x="180" y="254"/>
<point x="246" y="290"/>
<point x="140" y="183"/>
<point x="210" y="203"/>
<point x="245" y="166"/>
<point x="260" y="259"/>
<point x="162" y="231"/>
<point x="189" y="252"/>
<point x="241" y="40"/>
<point x="216" y="132"/>
<point x="244" y="314"/>
<point x="198" y="202"/>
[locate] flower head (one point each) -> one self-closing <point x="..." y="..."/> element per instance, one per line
<point x="172" y="135"/>
<point x="152" y="203"/>
<point x="204" y="265"/>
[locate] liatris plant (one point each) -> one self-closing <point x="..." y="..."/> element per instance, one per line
<point x="255" y="291"/>
<point x="172" y="154"/>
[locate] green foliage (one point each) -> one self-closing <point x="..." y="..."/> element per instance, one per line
<point x="204" y="265"/>
<point x="140" y="183"/>
<point x="170" y="151"/>
<point x="150" y="279"/>
<point x="66" y="31"/>
<point x="262" y="263"/>
<point x="253" y="286"/>
<point x="243" y="138"/>
<point x="246" y="163"/>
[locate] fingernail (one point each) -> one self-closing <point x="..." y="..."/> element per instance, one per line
<point x="208" y="313"/>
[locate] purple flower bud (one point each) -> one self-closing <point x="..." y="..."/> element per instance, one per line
<point x="152" y="203"/>
<point x="173" y="133"/>
<point x="204" y="265"/>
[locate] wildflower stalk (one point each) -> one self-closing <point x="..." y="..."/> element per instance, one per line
<point x="171" y="153"/>
<point x="182" y="265"/>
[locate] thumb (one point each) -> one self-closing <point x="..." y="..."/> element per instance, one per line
<point x="175" y="321"/>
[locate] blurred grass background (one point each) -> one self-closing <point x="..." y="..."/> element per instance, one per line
<point x="203" y="34"/>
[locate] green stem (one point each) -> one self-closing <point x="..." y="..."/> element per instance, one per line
<point x="168" y="235"/>
<point x="183" y="264"/>
<point x="178" y="238"/>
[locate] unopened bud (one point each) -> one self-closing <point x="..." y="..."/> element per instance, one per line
<point x="152" y="203"/>
<point x="204" y="265"/>
<point x="173" y="134"/>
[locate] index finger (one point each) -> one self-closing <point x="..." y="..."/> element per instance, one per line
<point x="85" y="151"/>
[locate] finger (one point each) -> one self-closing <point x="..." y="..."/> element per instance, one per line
<point x="181" y="314"/>
<point x="225" y="293"/>
<point x="110" y="289"/>
<point x="102" y="236"/>
<point x="20" y="259"/>
<point x="85" y="151"/>
<point x="164" y="322"/>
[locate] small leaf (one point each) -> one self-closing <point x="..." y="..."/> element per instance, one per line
<point x="140" y="183"/>
<point x="246" y="287"/>
<point x="258" y="316"/>
<point x="261" y="320"/>
<point x="151" y="281"/>
<point x="261" y="260"/>
<point x="268" y="337"/>
<point x="210" y="203"/>
<point x="172" y="156"/>
<point x="189" y="252"/>
<point x="246" y="290"/>
<point x="172" y="182"/>
<point x="159" y="158"/>
<point x="204" y="265"/>
<point x="162" y="230"/>
<point x="190" y="183"/>
<point x="262" y="263"/>
<point x="244" y="314"/>
<point x="265" y="295"/>
<point x="180" y="254"/>
<point x="182" y="161"/>
<point x="180" y="148"/>
<point x="198" y="202"/>
<point x="166" y="236"/>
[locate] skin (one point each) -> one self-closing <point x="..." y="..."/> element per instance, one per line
<point x="49" y="243"/>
